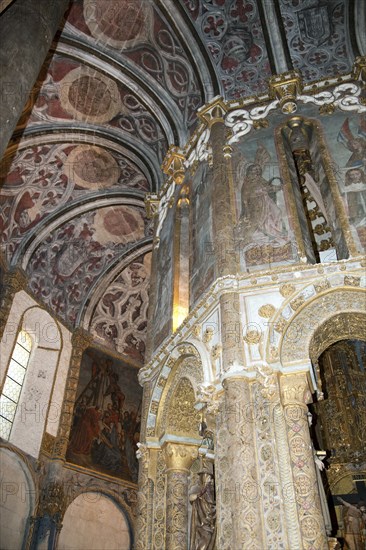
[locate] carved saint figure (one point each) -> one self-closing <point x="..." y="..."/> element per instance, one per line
<point x="354" y="519"/>
<point x="203" y="521"/>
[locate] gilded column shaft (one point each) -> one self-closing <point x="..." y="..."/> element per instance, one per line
<point x="295" y="394"/>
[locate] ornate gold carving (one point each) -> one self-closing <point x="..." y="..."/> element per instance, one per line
<point x="151" y="205"/>
<point x="81" y="340"/>
<point x="216" y="351"/>
<point x="183" y="419"/>
<point x="339" y="327"/>
<point x="267" y="311"/>
<point x="286" y="87"/>
<point x="299" y="332"/>
<point x="359" y="68"/>
<point x="213" y="112"/>
<point x="53" y="500"/>
<point x="197" y="331"/>
<point x="351" y="281"/>
<point x="280" y="325"/>
<point x="287" y="290"/>
<point x="154" y="407"/>
<point x="179" y="456"/>
<point x="48" y="443"/>
<point x="253" y="336"/>
<point x="322" y="285"/>
<point x="297" y="302"/>
<point x="162" y="382"/>
<point x="173" y="164"/>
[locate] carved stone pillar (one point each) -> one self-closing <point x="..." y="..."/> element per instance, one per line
<point x="141" y="539"/>
<point x="48" y="520"/>
<point x="237" y="487"/>
<point x="179" y="458"/>
<point x="13" y="281"/>
<point x="225" y="250"/>
<point x="81" y="340"/>
<point x="295" y="394"/>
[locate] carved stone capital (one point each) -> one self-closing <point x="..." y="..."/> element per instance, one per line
<point x="286" y="87"/>
<point x="295" y="389"/>
<point x="173" y="164"/>
<point x="180" y="456"/>
<point x="81" y="339"/>
<point x="53" y="501"/>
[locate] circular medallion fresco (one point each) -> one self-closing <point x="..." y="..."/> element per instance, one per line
<point x="90" y="96"/>
<point x="118" y="23"/>
<point x="92" y="167"/>
<point x="118" y="224"/>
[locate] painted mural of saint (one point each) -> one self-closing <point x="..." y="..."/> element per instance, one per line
<point x="261" y="218"/>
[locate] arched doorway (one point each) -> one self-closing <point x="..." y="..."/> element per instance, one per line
<point x="339" y="429"/>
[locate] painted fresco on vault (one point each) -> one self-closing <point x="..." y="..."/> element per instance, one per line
<point x="203" y="259"/>
<point x="262" y="233"/>
<point x="346" y="138"/>
<point x="107" y="415"/>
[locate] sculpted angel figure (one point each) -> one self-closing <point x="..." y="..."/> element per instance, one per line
<point x="261" y="220"/>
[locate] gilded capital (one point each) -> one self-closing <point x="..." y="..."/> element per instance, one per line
<point x="213" y="112"/>
<point x="173" y="164"/>
<point x="180" y="456"/>
<point x="15" y="280"/>
<point x="286" y="87"/>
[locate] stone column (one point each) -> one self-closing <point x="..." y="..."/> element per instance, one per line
<point x="295" y="394"/>
<point x="237" y="485"/>
<point x="179" y="458"/>
<point x="141" y="538"/>
<point x="48" y="520"/>
<point x="27" y="29"/>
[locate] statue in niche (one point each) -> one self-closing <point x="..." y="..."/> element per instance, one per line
<point x="261" y="220"/>
<point x="203" y="520"/>
<point x="354" y="520"/>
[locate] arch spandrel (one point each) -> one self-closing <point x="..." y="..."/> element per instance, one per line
<point x="333" y="307"/>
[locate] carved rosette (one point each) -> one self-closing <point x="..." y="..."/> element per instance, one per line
<point x="179" y="458"/>
<point x="295" y="394"/>
<point x="81" y="340"/>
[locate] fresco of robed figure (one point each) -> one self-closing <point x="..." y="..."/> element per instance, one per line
<point x="106" y="420"/>
<point x="261" y="232"/>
